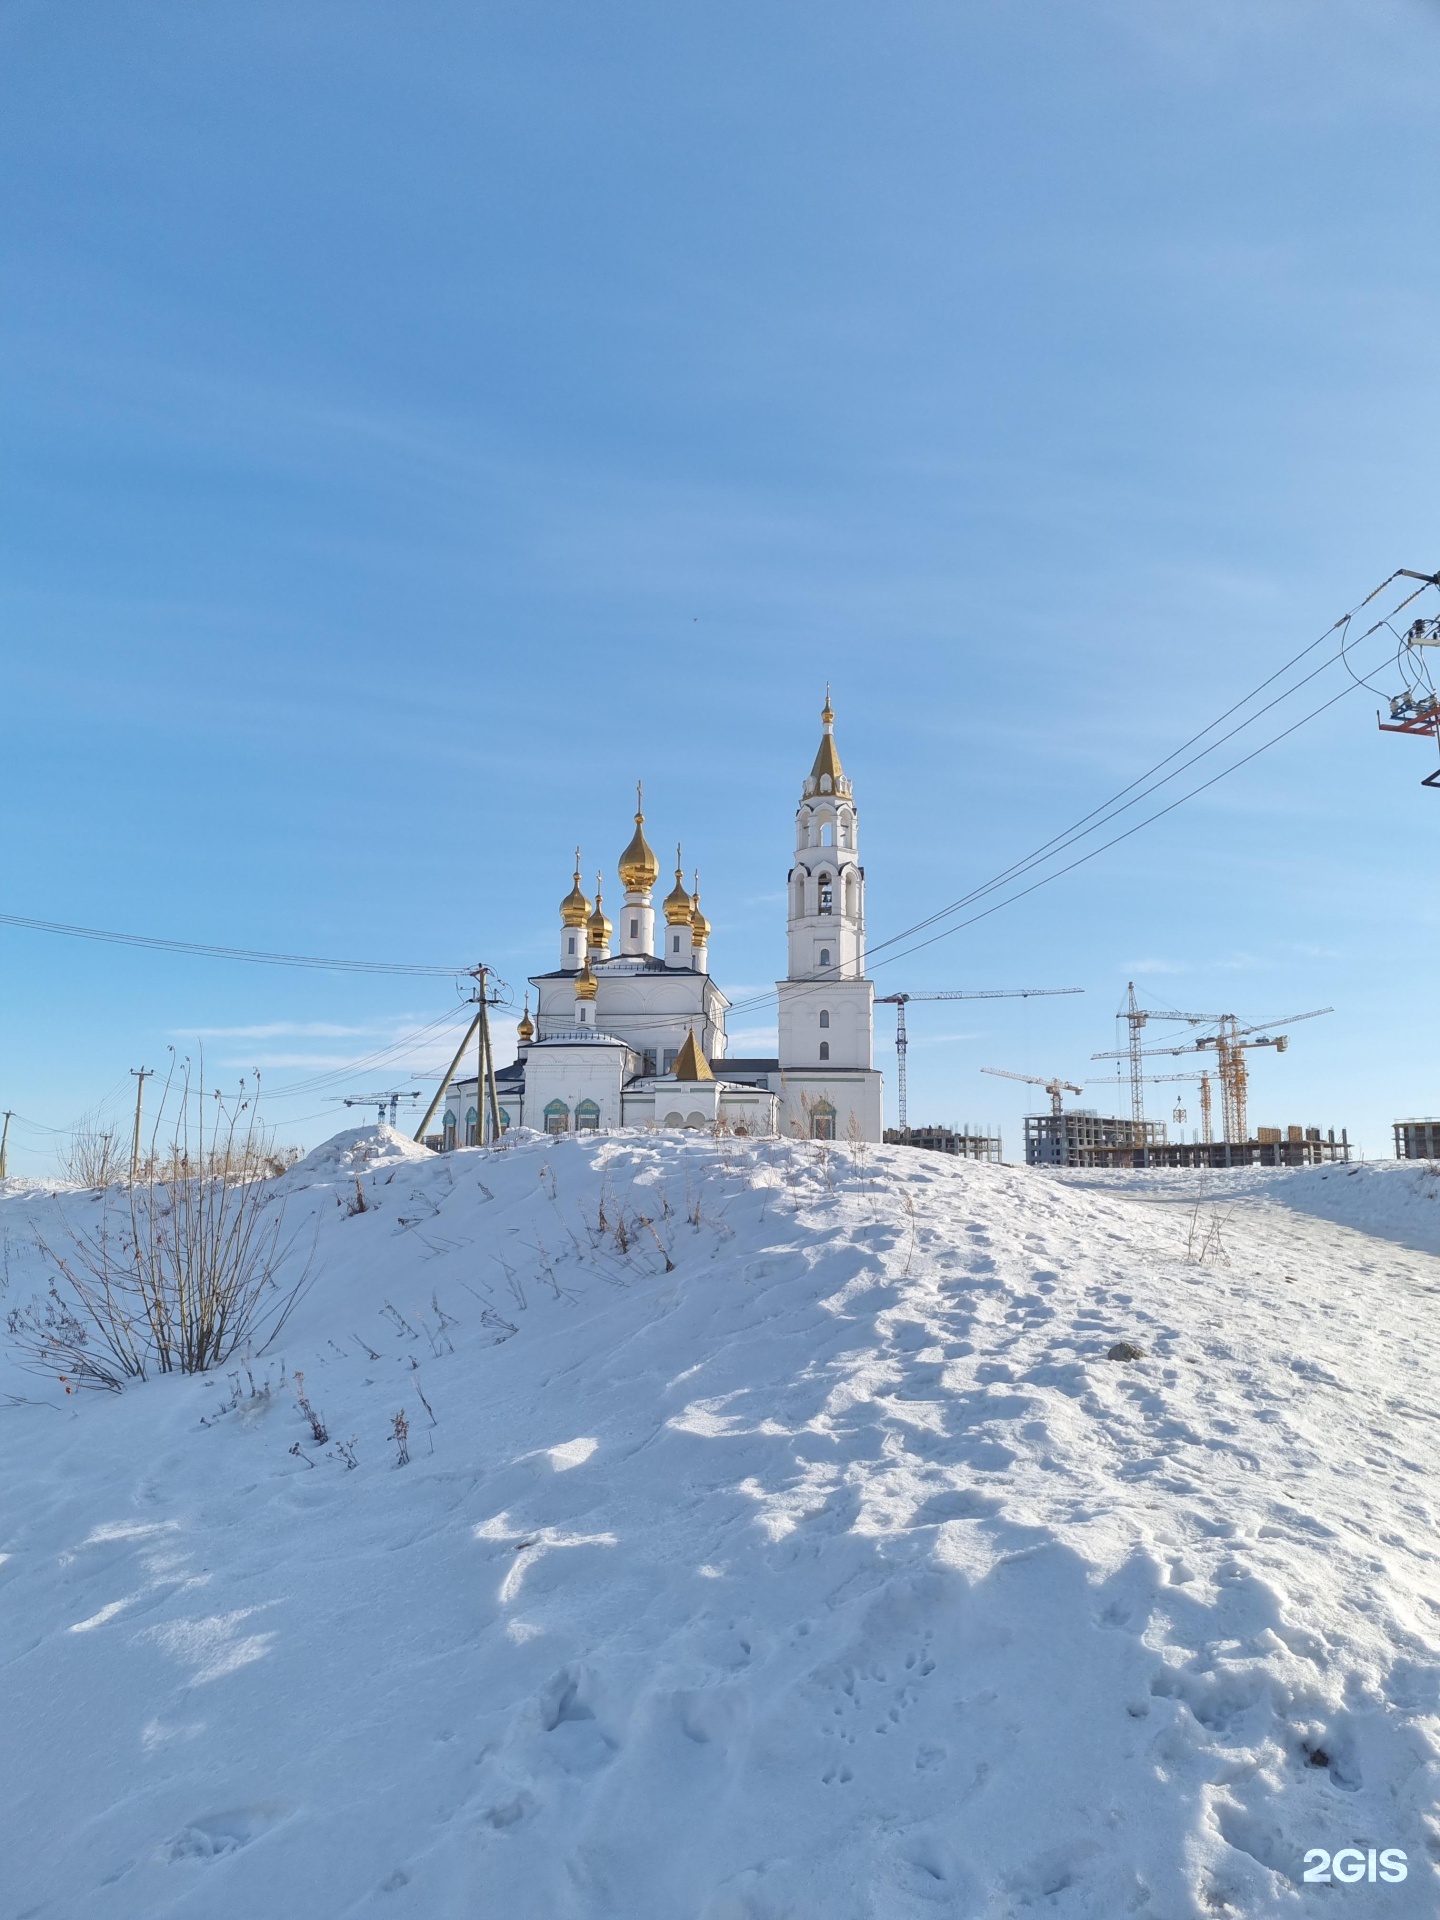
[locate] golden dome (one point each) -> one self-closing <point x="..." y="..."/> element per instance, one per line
<point x="600" y="927"/>
<point x="639" y="869"/>
<point x="575" y="908"/>
<point x="677" y="901"/>
<point x="586" y="985"/>
<point x="699" y="925"/>
<point x="525" y="1032"/>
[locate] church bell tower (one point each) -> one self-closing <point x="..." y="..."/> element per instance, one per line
<point x="827" y="1006"/>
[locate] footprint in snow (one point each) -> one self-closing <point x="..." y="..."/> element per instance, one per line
<point x="221" y="1833"/>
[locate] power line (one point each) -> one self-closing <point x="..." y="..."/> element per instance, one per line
<point x="208" y="951"/>
<point x="299" y="1089"/>
<point x="1147" y="784"/>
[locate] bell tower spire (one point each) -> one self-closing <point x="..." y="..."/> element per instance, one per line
<point x="827" y="882"/>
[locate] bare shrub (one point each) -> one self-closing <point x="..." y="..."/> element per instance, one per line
<point x="183" y="1268"/>
<point x="260" y="1157"/>
<point x="96" y="1156"/>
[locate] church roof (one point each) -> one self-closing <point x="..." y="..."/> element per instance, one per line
<point x="690" y="1062"/>
<point x="827" y="761"/>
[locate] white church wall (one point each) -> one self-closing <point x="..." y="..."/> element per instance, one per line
<point x="850" y="1005"/>
<point x="573" y="1074"/>
<point x="855" y="1098"/>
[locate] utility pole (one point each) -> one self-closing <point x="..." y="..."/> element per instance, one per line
<point x="491" y="1098"/>
<point x="449" y="1075"/>
<point x="487" y="1105"/>
<point x="141" y="1075"/>
<point x="4" y="1140"/>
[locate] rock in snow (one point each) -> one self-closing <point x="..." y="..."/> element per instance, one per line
<point x="775" y="1544"/>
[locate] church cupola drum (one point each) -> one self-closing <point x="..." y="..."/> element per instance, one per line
<point x="574" y="915"/>
<point x="639" y="870"/>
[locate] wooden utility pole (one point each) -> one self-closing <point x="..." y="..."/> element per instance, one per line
<point x="444" y="1086"/>
<point x="482" y="1047"/>
<point x="492" y="1101"/>
<point x="142" y="1074"/>
<point x="487" y="1109"/>
<point x="5" y="1140"/>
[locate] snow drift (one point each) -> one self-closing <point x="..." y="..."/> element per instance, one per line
<point x="776" y="1541"/>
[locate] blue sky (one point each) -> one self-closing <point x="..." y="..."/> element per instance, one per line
<point x="421" y="422"/>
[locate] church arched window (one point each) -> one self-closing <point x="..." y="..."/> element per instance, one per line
<point x="827" y="894"/>
<point x="824" y="1049"/>
<point x="472" y="1128"/>
<point x="824" y="956"/>
<point x="822" y="1121"/>
<point x="827" y="834"/>
<point x="587" y="1117"/>
<point x="557" y="1117"/>
<point x="851" y="892"/>
<point x="799" y="896"/>
<point x="844" y="829"/>
<point x="824" y="1016"/>
<point x="449" y="1134"/>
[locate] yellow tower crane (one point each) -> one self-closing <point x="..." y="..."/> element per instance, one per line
<point x="1231" y="1042"/>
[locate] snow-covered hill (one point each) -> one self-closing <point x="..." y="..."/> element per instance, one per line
<point x="777" y="1543"/>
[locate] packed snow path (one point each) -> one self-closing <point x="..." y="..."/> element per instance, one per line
<point x="784" y="1547"/>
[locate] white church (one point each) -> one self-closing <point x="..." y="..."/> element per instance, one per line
<point x="632" y="1033"/>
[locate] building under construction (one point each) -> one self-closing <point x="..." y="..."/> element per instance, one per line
<point x="1084" y="1138"/>
<point x="1087" y="1139"/>
<point x="965" y="1143"/>
<point x="1417" y="1139"/>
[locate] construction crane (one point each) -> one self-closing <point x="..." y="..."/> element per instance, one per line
<point x="1417" y="709"/>
<point x="1162" y="1079"/>
<point x="380" y="1101"/>
<point x="1057" y="1089"/>
<point x="1231" y="1042"/>
<point x="901" y="1000"/>
<point x="1136" y="1017"/>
